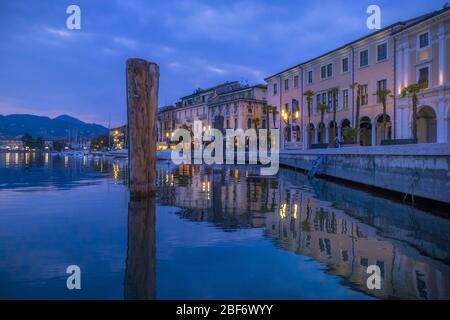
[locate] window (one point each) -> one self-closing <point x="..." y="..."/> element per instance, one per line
<point x="364" y="95"/>
<point x="326" y="71"/>
<point x="324" y="98"/>
<point x="286" y="85"/>
<point x="423" y="75"/>
<point x="345" y="98"/>
<point x="345" y="65"/>
<point x="382" y="52"/>
<point x="275" y="89"/>
<point x="329" y="70"/>
<point x="364" y="262"/>
<point x="424" y="40"/>
<point x="323" y="72"/>
<point x="235" y="123"/>
<point x="296" y="82"/>
<point x="364" y="58"/>
<point x="310" y="77"/>
<point x="249" y="123"/>
<point x="381" y="85"/>
<point x="335" y="100"/>
<point x="228" y="123"/>
<point x="264" y="123"/>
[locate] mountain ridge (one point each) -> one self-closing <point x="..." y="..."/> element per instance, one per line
<point x="63" y="126"/>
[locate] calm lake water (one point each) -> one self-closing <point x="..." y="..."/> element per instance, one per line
<point x="220" y="233"/>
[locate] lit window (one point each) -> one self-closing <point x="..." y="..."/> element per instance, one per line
<point x="364" y="95"/>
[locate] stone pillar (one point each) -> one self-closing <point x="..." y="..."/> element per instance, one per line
<point x="441" y="119"/>
<point x="241" y="117"/>
<point x="316" y="135"/>
<point x="374" y="133"/>
<point x="339" y="131"/>
<point x="442" y="76"/>
<point x="327" y="134"/>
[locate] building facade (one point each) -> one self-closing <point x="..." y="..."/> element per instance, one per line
<point x="230" y="105"/>
<point x="316" y="100"/>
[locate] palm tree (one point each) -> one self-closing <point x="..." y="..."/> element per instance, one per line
<point x="309" y="94"/>
<point x="412" y="90"/>
<point x="274" y="116"/>
<point x="357" y="86"/>
<point x="266" y="109"/>
<point x="321" y="107"/>
<point x="382" y="95"/>
<point x="334" y="92"/>
<point x="256" y="122"/>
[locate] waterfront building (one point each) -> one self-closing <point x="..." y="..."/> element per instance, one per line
<point x="422" y="56"/>
<point x="11" y="144"/>
<point x="165" y="124"/>
<point x="195" y="106"/>
<point x="318" y="99"/>
<point x="230" y="105"/>
<point x="241" y="108"/>
<point x="117" y="137"/>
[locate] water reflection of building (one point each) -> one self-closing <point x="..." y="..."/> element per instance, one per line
<point x="299" y="222"/>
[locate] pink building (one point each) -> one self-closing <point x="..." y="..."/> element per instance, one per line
<point x="391" y="58"/>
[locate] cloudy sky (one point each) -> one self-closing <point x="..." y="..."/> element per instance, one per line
<point x="46" y="69"/>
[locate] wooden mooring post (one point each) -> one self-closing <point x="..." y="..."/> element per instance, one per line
<point x="142" y="103"/>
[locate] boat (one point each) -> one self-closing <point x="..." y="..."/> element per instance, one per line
<point x="164" y="154"/>
<point x="121" y="153"/>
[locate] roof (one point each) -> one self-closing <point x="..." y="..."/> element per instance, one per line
<point x="405" y="24"/>
<point x="200" y="91"/>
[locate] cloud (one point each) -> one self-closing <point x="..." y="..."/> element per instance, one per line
<point x="125" y="42"/>
<point x="60" y="33"/>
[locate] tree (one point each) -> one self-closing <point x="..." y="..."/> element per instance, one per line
<point x="382" y="95"/>
<point x="58" y="145"/>
<point x="27" y="140"/>
<point x="357" y="86"/>
<point x="321" y="107"/>
<point x="412" y="90"/>
<point x="256" y="122"/>
<point x="267" y="109"/>
<point x="309" y="94"/>
<point x="39" y="143"/>
<point x="101" y="142"/>
<point x="334" y="92"/>
<point x="274" y="116"/>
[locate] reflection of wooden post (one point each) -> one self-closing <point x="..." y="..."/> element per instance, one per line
<point x="142" y="102"/>
<point x="140" y="273"/>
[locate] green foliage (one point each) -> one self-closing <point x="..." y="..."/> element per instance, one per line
<point x="103" y="141"/>
<point x="58" y="145"/>
<point x="31" y="143"/>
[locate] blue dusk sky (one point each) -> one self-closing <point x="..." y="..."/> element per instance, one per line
<point x="46" y="69"/>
